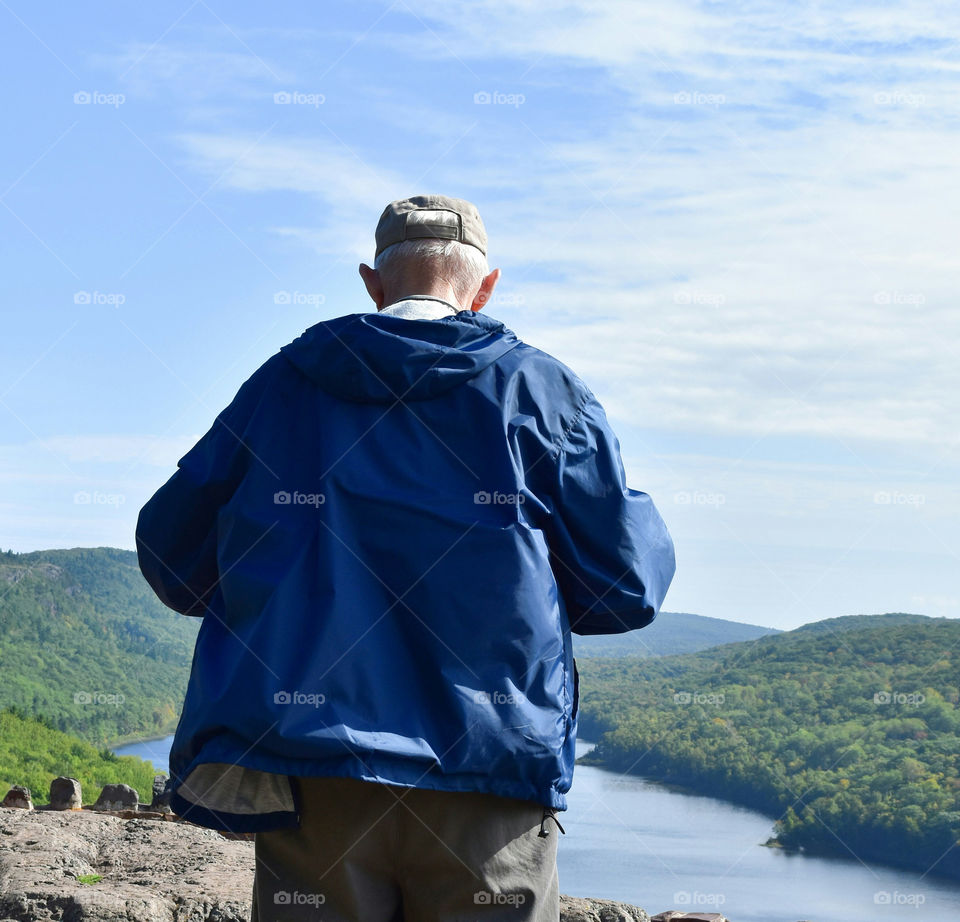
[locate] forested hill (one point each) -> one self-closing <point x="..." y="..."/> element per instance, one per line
<point x="86" y="644"/>
<point x="670" y="632"/>
<point x="847" y="732"/>
<point x="860" y="622"/>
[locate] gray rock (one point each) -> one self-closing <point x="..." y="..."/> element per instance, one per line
<point x="162" y="787"/>
<point x="65" y="794"/>
<point x="18" y="797"/>
<point x="574" y="909"/>
<point x="145" y="869"/>
<point x="117" y="797"/>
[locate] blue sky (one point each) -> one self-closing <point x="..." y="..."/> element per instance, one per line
<point x="737" y="222"/>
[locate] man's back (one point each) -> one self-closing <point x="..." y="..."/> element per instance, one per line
<point x="378" y="508"/>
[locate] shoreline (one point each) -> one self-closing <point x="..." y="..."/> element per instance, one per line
<point x="130" y="741"/>
<point x="773" y="842"/>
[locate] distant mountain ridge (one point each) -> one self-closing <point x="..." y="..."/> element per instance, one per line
<point x="670" y="633"/>
<point x="862" y="622"/>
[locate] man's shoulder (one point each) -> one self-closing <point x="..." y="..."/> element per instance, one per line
<point x="534" y="363"/>
<point x="257" y="384"/>
<point x="266" y="373"/>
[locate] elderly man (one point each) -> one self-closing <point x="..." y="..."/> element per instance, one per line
<point x="390" y="534"/>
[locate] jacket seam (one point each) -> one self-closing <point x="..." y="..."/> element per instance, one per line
<point x="565" y="434"/>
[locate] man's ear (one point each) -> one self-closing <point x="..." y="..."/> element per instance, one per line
<point x="486" y="290"/>
<point x="371" y="278"/>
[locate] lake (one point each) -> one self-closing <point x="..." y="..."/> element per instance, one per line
<point x="635" y="840"/>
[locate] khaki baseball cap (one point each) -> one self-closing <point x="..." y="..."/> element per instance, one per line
<point x="435" y="216"/>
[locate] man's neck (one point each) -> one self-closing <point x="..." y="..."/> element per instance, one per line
<point x="421" y="307"/>
<point x="442" y="297"/>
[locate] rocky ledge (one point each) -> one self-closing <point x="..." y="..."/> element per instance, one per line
<point x="87" y="866"/>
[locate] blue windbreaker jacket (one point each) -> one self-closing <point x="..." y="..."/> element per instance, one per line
<point x="390" y="534"/>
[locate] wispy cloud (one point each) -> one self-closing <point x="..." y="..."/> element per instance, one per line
<point x="196" y="72"/>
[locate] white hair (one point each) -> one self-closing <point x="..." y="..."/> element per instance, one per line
<point x="461" y="265"/>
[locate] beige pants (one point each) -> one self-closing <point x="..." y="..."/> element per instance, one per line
<point x="369" y="852"/>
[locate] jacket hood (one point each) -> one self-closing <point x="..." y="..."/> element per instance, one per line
<point x="378" y="358"/>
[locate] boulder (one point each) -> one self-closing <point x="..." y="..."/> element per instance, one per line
<point x="117" y="797"/>
<point x="162" y="787"/>
<point x="65" y="794"/>
<point x="575" y="909"/>
<point x="18" y="797"/>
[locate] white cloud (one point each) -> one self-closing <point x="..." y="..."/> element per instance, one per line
<point x="198" y="73"/>
<point x="352" y="191"/>
<point x="616" y="33"/>
<point x="72" y="452"/>
<point x="116" y="449"/>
